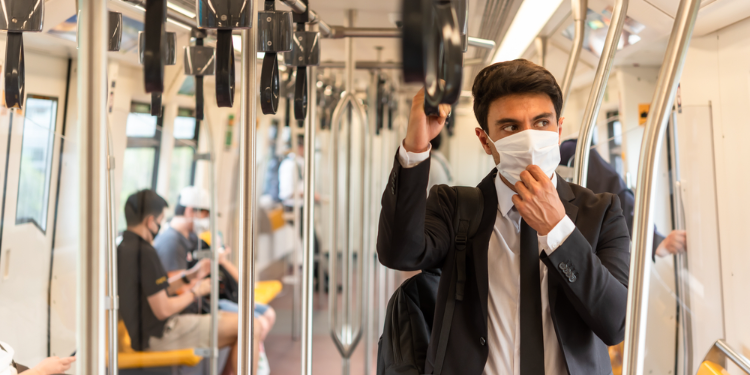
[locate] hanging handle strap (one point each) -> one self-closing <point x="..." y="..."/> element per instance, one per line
<point x="269" y="84"/>
<point x="224" y="68"/>
<point x="15" y="71"/>
<point x="300" y="94"/>
<point x="156" y="41"/>
<point x="445" y="61"/>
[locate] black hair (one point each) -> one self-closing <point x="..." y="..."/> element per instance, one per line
<point x="143" y="204"/>
<point x="437" y="141"/>
<point x="512" y="77"/>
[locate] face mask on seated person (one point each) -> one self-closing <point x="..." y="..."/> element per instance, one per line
<point x="518" y="151"/>
<point x="201" y="225"/>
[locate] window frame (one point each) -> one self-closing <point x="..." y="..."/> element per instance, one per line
<point x="193" y="143"/>
<point x="149" y="142"/>
<point x="48" y="169"/>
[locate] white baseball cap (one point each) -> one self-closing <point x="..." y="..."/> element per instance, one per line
<point x="195" y="197"/>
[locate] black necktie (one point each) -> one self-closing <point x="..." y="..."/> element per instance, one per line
<point x="532" y="336"/>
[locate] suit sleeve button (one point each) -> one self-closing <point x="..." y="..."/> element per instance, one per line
<point x="572" y="279"/>
<point x="563" y="266"/>
<point x="482" y="341"/>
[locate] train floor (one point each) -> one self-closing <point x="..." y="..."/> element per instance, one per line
<point x="283" y="351"/>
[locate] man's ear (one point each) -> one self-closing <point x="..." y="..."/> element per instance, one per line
<point x="559" y="129"/>
<point x="483" y="140"/>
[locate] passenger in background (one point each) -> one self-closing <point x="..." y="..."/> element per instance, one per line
<point x="604" y="179"/>
<point x="440" y="169"/>
<point x="148" y="304"/>
<point x="175" y="244"/>
<point x="291" y="170"/>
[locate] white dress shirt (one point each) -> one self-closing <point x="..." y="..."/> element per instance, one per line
<point x="504" y="276"/>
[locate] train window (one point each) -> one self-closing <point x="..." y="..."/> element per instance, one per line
<point x="36" y="160"/>
<point x="186" y="130"/>
<point x="141" y="160"/>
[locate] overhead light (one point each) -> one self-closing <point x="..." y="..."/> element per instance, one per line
<point x="529" y="21"/>
<point x="180" y="10"/>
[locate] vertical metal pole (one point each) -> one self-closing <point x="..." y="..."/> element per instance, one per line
<point x="580" y="9"/>
<point x="296" y="285"/>
<point x="369" y="270"/>
<point x="214" y="304"/>
<point x="640" y="261"/>
<point x="596" y="95"/>
<point x="92" y="103"/>
<point x="682" y="281"/>
<point x="347" y="271"/>
<point x="113" y="302"/>
<point x="247" y="200"/>
<point x="541" y="49"/>
<point x="308" y="234"/>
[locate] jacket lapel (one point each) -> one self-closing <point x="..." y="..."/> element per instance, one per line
<point x="567" y="196"/>
<point x="482" y="240"/>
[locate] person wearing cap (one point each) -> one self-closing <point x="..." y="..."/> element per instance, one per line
<point x="174" y="244"/>
<point x="149" y="304"/>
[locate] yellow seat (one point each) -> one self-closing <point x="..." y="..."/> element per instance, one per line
<point x="276" y="217"/>
<point x="128" y="358"/>
<point x="265" y="292"/>
<point x="710" y="368"/>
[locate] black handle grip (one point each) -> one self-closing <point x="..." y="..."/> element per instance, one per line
<point x="300" y="94"/>
<point x="156" y="104"/>
<point x="269" y="84"/>
<point x="416" y="31"/>
<point x="199" y="98"/>
<point x="156" y="42"/>
<point x="445" y="61"/>
<point x="224" y="68"/>
<point x="15" y="71"/>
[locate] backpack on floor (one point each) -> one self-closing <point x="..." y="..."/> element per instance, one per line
<point x="402" y="349"/>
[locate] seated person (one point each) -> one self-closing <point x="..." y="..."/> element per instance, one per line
<point x="175" y="244"/>
<point x="148" y="306"/>
<point x="48" y="366"/>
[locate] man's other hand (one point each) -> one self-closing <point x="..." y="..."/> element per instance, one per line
<point x="675" y="243"/>
<point x="537" y="200"/>
<point x="422" y="128"/>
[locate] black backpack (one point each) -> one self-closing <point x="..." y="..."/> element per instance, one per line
<point x="402" y="349"/>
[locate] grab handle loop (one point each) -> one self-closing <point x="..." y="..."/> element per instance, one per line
<point x="224" y="68"/>
<point x="444" y="61"/>
<point x="155" y="42"/>
<point x="15" y="71"/>
<point x="269" y="84"/>
<point x="300" y="94"/>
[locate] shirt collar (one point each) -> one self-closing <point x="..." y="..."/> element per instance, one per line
<point x="505" y="195"/>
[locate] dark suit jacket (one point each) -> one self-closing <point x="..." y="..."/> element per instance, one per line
<point x="416" y="233"/>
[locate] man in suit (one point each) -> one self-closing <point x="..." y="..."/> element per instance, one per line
<point x="546" y="271"/>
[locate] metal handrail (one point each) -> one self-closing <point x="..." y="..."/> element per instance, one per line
<point x="640" y="261"/>
<point x="92" y="104"/>
<point x="720" y="351"/>
<point x="348" y="340"/>
<point x="113" y="304"/>
<point x="247" y="204"/>
<point x="579" y="9"/>
<point x="308" y="230"/>
<point x="214" y="302"/>
<point x="597" y="92"/>
<point x="682" y="282"/>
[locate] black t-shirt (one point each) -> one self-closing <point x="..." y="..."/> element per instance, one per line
<point x="136" y="283"/>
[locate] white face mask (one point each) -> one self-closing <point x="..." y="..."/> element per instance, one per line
<point x="518" y="151"/>
<point x="201" y="225"/>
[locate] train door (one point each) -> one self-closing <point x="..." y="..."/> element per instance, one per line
<point x="29" y="157"/>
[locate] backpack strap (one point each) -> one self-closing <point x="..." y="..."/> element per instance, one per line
<point x="466" y="220"/>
